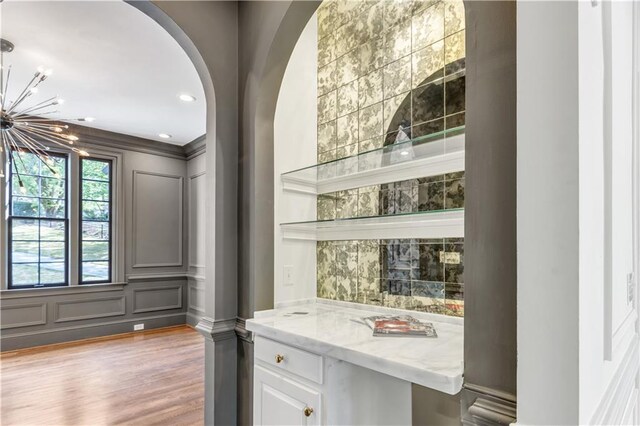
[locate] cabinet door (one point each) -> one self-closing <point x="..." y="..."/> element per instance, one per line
<point x="278" y="400"/>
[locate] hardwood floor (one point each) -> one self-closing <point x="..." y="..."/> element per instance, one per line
<point x="150" y="378"/>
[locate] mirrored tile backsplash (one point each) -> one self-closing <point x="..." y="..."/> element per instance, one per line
<point x="417" y="274"/>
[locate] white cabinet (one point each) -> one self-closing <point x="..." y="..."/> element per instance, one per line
<point x="293" y="386"/>
<point x="280" y="401"/>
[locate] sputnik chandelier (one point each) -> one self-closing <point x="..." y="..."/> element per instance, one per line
<point x="25" y="126"/>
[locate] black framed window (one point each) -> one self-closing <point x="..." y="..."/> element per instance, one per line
<point x="38" y="221"/>
<point x="95" y="221"/>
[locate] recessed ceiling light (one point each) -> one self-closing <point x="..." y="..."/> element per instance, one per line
<point x="186" y="98"/>
<point x="164" y="135"/>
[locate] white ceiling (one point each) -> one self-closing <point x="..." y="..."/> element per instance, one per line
<point x="109" y="61"/>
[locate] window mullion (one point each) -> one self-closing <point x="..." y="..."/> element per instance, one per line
<point x="74" y="219"/>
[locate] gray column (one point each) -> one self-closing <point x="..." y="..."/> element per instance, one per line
<point x="489" y="391"/>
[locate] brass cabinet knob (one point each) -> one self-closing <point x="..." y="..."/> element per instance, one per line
<point x="279" y="358"/>
<point x="308" y="411"/>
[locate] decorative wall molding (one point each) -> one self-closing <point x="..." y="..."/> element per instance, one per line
<point x="58" y="305"/>
<point x="621" y="388"/>
<point x="40" y="321"/>
<point x="195" y="147"/>
<point x="217" y="330"/>
<point x="242" y="332"/>
<point x="196" y="287"/>
<point x="30" y="293"/>
<point x="156" y="277"/>
<point x="176" y="305"/>
<point x="487" y="407"/>
<point x="135" y="217"/>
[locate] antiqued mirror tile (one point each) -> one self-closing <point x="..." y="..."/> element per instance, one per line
<point x="326" y="18"/>
<point x="324" y="157"/>
<point x="327" y="107"/>
<point x="431" y="196"/>
<point x="348" y="66"/>
<point x="454" y="56"/>
<point x="327" y="78"/>
<point x="371" y="55"/>
<point x="431" y="269"/>
<point x="347" y="130"/>
<point x="428" y="128"/>
<point x="326" y="288"/>
<point x="326" y="207"/>
<point x="432" y="290"/>
<point x="454" y="291"/>
<point x="397" y="113"/>
<point x="455" y="95"/>
<point x="372" y="22"/>
<point x="399" y="287"/>
<point x="397" y="77"/>
<point x="345" y="38"/>
<point x="397" y="42"/>
<point x="326" y="50"/>
<point x="368" y="262"/>
<point x="371" y="121"/>
<point x="453" y="16"/>
<point x="348" y="10"/>
<point x="348" y="98"/>
<point x="370" y="145"/>
<point x="347" y="205"/>
<point x="456" y="120"/>
<point x="427" y="64"/>
<point x="428" y="26"/>
<point x="396" y="11"/>
<point x="428" y="102"/>
<point x="454" y="193"/>
<point x="368" y="203"/>
<point x="370" y="88"/>
<point x="454" y="272"/>
<point x="344" y="152"/>
<point x="327" y="136"/>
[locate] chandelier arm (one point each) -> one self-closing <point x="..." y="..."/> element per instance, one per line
<point x="45" y="137"/>
<point x="15" y="166"/>
<point x="25" y="93"/>
<point x="35" y="120"/>
<point x="17" y="148"/>
<point x="6" y="86"/>
<point x="37" y="106"/>
<point x="26" y="138"/>
<point x="51" y="136"/>
<point x="42" y="128"/>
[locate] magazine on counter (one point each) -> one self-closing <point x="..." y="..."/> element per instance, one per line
<point x="399" y="326"/>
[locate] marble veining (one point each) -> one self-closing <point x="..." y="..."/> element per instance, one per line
<point x="331" y="330"/>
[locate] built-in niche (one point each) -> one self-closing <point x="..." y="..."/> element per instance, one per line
<point x="390" y="72"/>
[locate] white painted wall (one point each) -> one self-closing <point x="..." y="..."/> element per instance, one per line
<point x="564" y="376"/>
<point x="295" y="144"/>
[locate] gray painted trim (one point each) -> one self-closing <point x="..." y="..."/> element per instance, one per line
<point x="195" y="147"/>
<point x="178" y="304"/>
<point x="29" y="293"/>
<point x="485" y="409"/>
<point x="156" y="277"/>
<point x="86" y="331"/>
<point x="134" y="224"/>
<point x="241" y="330"/>
<point x="217" y="330"/>
<point x="59" y="319"/>
<point x="41" y="321"/>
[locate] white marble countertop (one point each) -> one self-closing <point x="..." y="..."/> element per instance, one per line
<point x="328" y="329"/>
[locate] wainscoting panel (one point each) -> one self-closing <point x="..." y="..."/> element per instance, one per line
<point x="195" y="305"/>
<point x="100" y="307"/>
<point x="23" y="315"/>
<point x="157" y="299"/>
<point x="157" y="242"/>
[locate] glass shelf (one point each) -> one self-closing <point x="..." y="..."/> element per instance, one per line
<point x="426" y="224"/>
<point x="430" y="155"/>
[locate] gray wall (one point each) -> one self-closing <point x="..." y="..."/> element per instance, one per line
<point x="153" y="290"/>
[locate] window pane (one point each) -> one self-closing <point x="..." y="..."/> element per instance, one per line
<point x="95" y="210"/>
<point x="52" y="188"/>
<point x="24" y="274"/>
<point x="25" y="251"/>
<point x="52" y="230"/>
<point x="52" y="208"/>
<point x="95" y="250"/>
<point x="52" y="273"/>
<point x="26" y="163"/>
<point x="95" y="271"/>
<point x="52" y="251"/>
<point x="96" y="170"/>
<point x="29" y="186"/>
<point x="97" y="191"/>
<point x="95" y="231"/>
<point x="24" y="229"/>
<point x="22" y="206"/>
<point x="56" y="167"/>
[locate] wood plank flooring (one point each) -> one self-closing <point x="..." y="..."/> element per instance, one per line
<point x="150" y="378"/>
